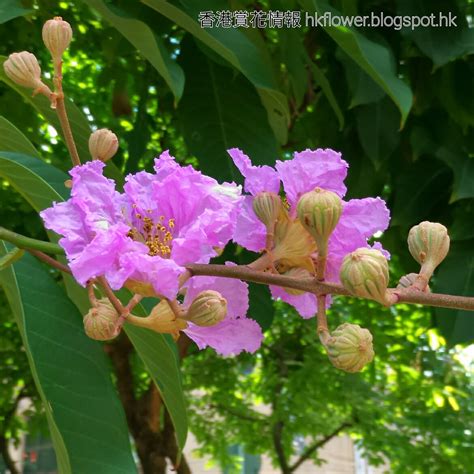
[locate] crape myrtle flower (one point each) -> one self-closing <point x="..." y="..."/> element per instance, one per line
<point x="143" y="238"/>
<point x="293" y="247"/>
<point x="236" y="333"/>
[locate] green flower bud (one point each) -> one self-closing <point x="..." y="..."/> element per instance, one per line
<point x="100" y="323"/>
<point x="365" y="274"/>
<point x="207" y="309"/>
<point x="319" y="212"/>
<point x="350" y="347"/>
<point x="267" y="207"/>
<point x="428" y="243"/>
<point x="300" y="274"/>
<point x="57" y="35"/>
<point x="103" y="144"/>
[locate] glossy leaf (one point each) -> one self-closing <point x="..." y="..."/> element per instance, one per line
<point x="218" y="111"/>
<point x="149" y="44"/>
<point x="12" y="139"/>
<point x="374" y="58"/>
<point x="236" y="48"/>
<point x="71" y="372"/>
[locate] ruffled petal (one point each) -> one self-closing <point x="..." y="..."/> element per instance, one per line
<point x="95" y="194"/>
<point x="312" y="168"/>
<point x="230" y="337"/>
<point x="236" y="293"/>
<point x="163" y="274"/>
<point x="249" y="231"/>
<point x="257" y="178"/>
<point x="305" y="304"/>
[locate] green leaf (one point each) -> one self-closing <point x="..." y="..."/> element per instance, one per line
<point x="456" y="277"/>
<point x="377" y="126"/>
<point x="11" y="139"/>
<point x="440" y="44"/>
<point x="220" y="110"/>
<point x="38" y="182"/>
<point x="363" y="89"/>
<point x="79" y="124"/>
<point x="236" y="48"/>
<point x="71" y="372"/>
<point x="163" y="367"/>
<point x="146" y="42"/>
<point x="374" y="58"/>
<point x="10" y="9"/>
<point x="323" y="82"/>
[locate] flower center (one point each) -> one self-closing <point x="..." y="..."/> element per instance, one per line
<point x="157" y="235"/>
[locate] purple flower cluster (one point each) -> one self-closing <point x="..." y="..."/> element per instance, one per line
<point x="144" y="237"/>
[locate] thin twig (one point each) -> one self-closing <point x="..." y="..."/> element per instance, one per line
<point x="49" y="260"/>
<point x="27" y="243"/>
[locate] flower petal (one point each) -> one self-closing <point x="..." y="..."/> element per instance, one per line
<point x="230" y="337"/>
<point x="249" y="231"/>
<point x="305" y="304"/>
<point x="257" y="178"/>
<point x="311" y="168"/>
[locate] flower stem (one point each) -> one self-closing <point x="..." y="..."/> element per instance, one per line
<point x="59" y="104"/>
<point x="27" y="243"/>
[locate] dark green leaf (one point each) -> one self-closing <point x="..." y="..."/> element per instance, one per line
<point x="220" y="110"/>
<point x="148" y="43"/>
<point x="236" y="48"/>
<point x="377" y="126"/>
<point x="456" y="277"/>
<point x="441" y="44"/>
<point x="85" y="417"/>
<point x="10" y="9"/>
<point x="374" y="58"/>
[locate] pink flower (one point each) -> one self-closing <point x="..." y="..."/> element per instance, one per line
<point x="236" y="333"/>
<point x="293" y="247"/>
<point x="143" y="238"/>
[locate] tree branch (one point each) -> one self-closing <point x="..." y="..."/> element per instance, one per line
<point x="244" y="272"/>
<point x="318" y="444"/>
<point x="254" y="418"/>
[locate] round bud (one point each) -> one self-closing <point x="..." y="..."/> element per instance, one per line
<point x="267" y="207"/>
<point x="207" y="309"/>
<point x="23" y="69"/>
<point x="428" y="243"/>
<point x="365" y="274"/>
<point x="57" y="35"/>
<point x="300" y="274"/>
<point x="319" y="212"/>
<point x="103" y="144"/>
<point x="350" y="347"/>
<point x="100" y="323"/>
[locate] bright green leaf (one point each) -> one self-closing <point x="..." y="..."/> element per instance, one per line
<point x="71" y="372"/>
<point x="11" y="139"/>
<point x="148" y="43"/>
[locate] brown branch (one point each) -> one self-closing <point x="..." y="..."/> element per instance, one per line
<point x="318" y="444"/>
<point x="52" y="262"/>
<point x="311" y="285"/>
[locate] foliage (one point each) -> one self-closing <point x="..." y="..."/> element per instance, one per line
<point x="398" y="104"/>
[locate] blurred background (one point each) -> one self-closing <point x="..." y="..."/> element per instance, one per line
<point x="398" y="104"/>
